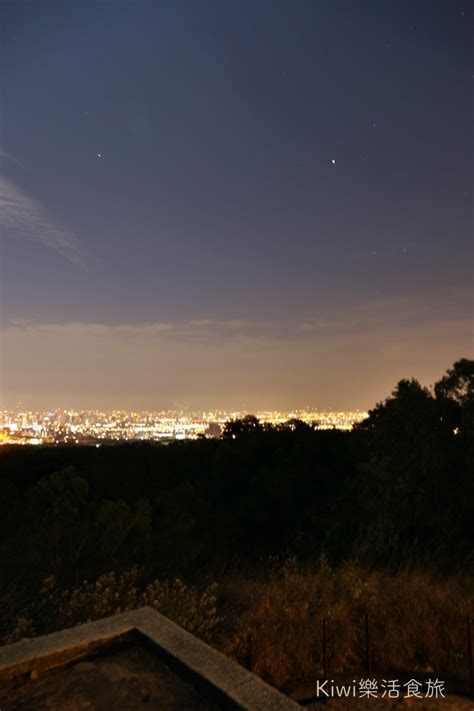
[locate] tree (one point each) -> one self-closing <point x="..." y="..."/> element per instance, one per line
<point x="413" y="477"/>
<point x="56" y="523"/>
<point x="238" y="428"/>
<point x="295" y="425"/>
<point x="458" y="383"/>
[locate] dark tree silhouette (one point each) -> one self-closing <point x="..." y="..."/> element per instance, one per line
<point x="458" y="383"/>
<point x="244" y="426"/>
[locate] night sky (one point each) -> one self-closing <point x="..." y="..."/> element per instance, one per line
<point x="233" y="204"/>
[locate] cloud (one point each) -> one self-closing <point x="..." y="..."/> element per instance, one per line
<point x="4" y="155"/>
<point x="381" y="321"/>
<point x="203" y="331"/>
<point x="233" y="363"/>
<point x="387" y="315"/>
<point x="24" y="217"/>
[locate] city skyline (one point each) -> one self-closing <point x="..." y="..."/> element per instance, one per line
<point x="88" y="427"/>
<point x="241" y="206"/>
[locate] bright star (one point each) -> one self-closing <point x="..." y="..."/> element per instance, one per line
<point x="333" y="162"/>
<point x="99" y="155"/>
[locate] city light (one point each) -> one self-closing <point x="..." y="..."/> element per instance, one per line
<point x="92" y="426"/>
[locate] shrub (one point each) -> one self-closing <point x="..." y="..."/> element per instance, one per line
<point x="111" y="594"/>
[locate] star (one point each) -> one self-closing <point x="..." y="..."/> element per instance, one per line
<point x="374" y="125"/>
<point x="99" y="155"/>
<point x="333" y="161"/>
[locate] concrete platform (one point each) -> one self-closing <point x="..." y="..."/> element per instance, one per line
<point x="219" y="681"/>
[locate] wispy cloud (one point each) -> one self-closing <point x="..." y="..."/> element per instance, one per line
<point x="453" y="306"/>
<point x="377" y="321"/>
<point x="223" y="363"/>
<point x="22" y="217"/>
<point x="196" y="331"/>
<point x="6" y="156"/>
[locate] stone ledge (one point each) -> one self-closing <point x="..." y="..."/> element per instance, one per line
<point x="220" y="677"/>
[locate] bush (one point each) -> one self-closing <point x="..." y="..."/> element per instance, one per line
<point x="111" y="594"/>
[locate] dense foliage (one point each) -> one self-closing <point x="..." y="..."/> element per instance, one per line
<point x="398" y="489"/>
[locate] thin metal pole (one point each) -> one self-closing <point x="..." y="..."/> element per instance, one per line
<point x="325" y="649"/>
<point x="367" y="646"/>
<point x="470" y="655"/>
<point x="249" y="652"/>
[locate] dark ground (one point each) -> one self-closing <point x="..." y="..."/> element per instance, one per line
<point x="126" y="680"/>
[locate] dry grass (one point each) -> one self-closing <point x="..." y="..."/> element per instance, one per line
<point x="417" y="624"/>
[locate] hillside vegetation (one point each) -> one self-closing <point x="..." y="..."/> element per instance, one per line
<point x="378" y="520"/>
